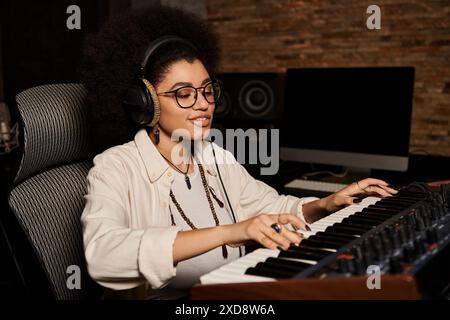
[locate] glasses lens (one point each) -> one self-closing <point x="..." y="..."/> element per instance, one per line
<point x="186" y="97"/>
<point x="212" y="92"/>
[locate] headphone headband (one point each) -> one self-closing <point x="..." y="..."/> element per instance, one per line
<point x="156" y="44"/>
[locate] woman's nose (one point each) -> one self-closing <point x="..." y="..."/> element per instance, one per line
<point x="201" y="103"/>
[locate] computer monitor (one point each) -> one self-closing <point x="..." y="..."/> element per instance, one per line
<point x="353" y="117"/>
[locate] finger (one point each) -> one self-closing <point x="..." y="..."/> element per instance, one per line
<point x="279" y="239"/>
<point x="371" y="181"/>
<point x="388" y="189"/>
<point x="293" y="237"/>
<point x="286" y="218"/>
<point x="349" y="200"/>
<point x="268" y="243"/>
<point x="356" y="200"/>
<point x="378" y="190"/>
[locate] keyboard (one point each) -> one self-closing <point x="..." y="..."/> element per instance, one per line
<point x="408" y="234"/>
<point x="245" y="269"/>
<point x="310" y="187"/>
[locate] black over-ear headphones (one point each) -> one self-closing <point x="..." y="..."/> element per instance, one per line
<point x="141" y="100"/>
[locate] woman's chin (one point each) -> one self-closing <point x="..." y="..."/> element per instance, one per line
<point x="200" y="133"/>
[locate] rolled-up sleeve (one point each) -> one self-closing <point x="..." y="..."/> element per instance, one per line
<point x="119" y="257"/>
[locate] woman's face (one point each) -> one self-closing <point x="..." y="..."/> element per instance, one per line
<point x="195" y="121"/>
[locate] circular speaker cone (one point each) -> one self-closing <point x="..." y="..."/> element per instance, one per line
<point x="223" y="107"/>
<point x="256" y="98"/>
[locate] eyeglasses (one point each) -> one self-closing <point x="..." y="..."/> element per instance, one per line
<point x="187" y="96"/>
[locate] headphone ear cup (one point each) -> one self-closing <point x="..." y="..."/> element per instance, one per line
<point x="153" y="102"/>
<point x="138" y="104"/>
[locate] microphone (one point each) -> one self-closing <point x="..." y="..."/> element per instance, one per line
<point x="8" y="135"/>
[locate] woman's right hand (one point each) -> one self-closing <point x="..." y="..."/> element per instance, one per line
<point x="259" y="229"/>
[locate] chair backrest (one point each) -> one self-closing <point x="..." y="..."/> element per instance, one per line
<point x="47" y="196"/>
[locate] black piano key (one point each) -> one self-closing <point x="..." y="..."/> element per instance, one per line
<point x="364" y="221"/>
<point x="300" y="255"/>
<point x="322" y="244"/>
<point x="265" y="271"/>
<point x="354" y="225"/>
<point x="337" y="235"/>
<point x="330" y="238"/>
<point x="319" y="238"/>
<point x="410" y="195"/>
<point x="377" y="215"/>
<point x="380" y="210"/>
<point x="271" y="266"/>
<point x="366" y="218"/>
<point x="405" y="201"/>
<point x="345" y="229"/>
<point x="309" y="250"/>
<point x="279" y="264"/>
<point x="401" y="197"/>
<point x="298" y="265"/>
<point x="390" y="205"/>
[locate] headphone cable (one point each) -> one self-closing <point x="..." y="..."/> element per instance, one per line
<point x="223" y="187"/>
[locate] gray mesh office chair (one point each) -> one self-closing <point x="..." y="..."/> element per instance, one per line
<point x="47" y="194"/>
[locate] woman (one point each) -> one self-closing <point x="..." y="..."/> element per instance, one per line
<point x="150" y="222"/>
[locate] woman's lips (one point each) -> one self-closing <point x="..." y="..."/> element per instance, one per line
<point x="200" y="121"/>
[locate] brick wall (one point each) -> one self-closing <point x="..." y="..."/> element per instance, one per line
<point x="272" y="35"/>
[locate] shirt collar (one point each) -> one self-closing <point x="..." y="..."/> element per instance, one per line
<point x="154" y="163"/>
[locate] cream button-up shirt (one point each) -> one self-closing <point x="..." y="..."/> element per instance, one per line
<point x="127" y="232"/>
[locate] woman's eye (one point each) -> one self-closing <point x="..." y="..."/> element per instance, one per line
<point x="184" y="94"/>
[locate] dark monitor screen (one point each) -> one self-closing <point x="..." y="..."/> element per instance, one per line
<point x="359" y="110"/>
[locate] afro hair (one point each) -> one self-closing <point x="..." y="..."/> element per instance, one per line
<point x="110" y="60"/>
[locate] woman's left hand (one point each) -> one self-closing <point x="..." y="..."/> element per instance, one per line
<point x="345" y="196"/>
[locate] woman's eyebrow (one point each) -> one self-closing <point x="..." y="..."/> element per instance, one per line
<point x="188" y="83"/>
<point x="206" y="81"/>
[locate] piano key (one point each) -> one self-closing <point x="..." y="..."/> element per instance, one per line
<point x="329" y="244"/>
<point x="284" y="262"/>
<point x="300" y="255"/>
<point x="288" y="270"/>
<point x="337" y="235"/>
<point x="307" y="249"/>
<point x="329" y="237"/>
<point x="376" y="215"/>
<point x="364" y="220"/>
<point x="345" y="229"/>
<point x="267" y="272"/>
<point x="361" y="226"/>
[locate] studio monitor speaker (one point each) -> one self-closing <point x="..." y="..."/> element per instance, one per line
<point x="250" y="96"/>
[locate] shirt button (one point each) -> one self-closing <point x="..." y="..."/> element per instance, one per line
<point x="169" y="173"/>
<point x="164" y="204"/>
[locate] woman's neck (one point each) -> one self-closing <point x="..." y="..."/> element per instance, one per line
<point x="166" y="146"/>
